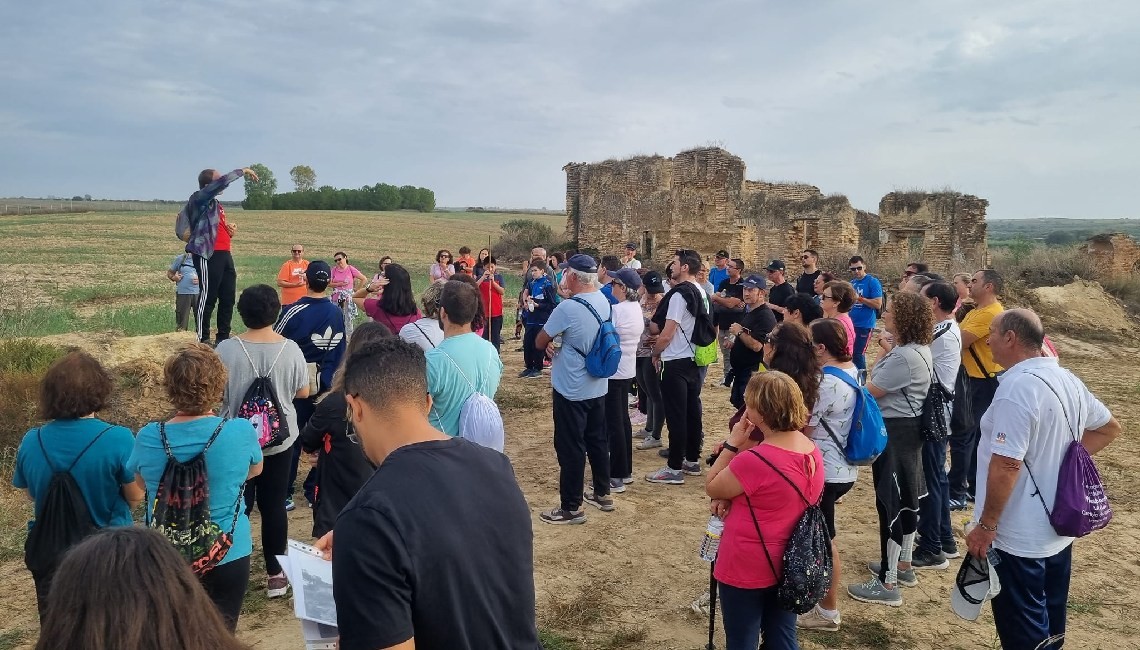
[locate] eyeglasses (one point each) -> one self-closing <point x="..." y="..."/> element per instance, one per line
<point x="349" y="429"/>
<point x="340" y="259"/>
<point x="853" y="269"/>
<point x="805" y="257"/>
<point x="827" y="297"/>
<point x="730" y="266"/>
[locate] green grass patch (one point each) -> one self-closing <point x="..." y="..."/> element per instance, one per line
<point x="22" y="366"/>
<point x="554" y="641"/>
<point x="12" y="639"/>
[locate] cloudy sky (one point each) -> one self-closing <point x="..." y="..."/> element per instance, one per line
<point x="1032" y="104"/>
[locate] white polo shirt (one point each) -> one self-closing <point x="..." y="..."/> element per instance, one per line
<point x="1026" y="422"/>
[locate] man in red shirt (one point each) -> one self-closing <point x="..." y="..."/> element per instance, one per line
<point x="491" y="289"/>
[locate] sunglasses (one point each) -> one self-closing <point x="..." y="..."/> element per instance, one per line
<point x="340" y="259"/>
<point x="907" y="274"/>
<point x="805" y="257"/>
<point x="297" y="251"/>
<point x="827" y="297"/>
<point x="855" y="268"/>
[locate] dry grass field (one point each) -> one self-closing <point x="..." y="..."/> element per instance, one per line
<point x="624" y="579"/>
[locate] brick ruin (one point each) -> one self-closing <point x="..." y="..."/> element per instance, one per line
<point x="1113" y="253"/>
<point x="701" y="199"/>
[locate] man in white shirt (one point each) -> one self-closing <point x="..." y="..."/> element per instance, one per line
<point x="680" y="377"/>
<point x="629" y="257"/>
<point x="1038" y="410"/>
<point x="937" y="544"/>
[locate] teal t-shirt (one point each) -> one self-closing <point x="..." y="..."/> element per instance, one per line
<point x="478" y="361"/>
<point x="100" y="473"/>
<point x="227" y="464"/>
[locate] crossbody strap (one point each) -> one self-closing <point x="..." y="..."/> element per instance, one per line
<point x="426" y="336"/>
<point x="461" y="373"/>
<point x="1036" y="489"/>
<point x="831" y="433"/>
<point x="981" y="366"/>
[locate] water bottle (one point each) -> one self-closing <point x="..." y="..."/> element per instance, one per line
<point x="711" y="541"/>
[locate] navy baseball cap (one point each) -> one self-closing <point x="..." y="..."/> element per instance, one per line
<point x="652" y="282"/>
<point x="755" y="282"/>
<point x="580" y="262"/>
<point x="776" y="265"/>
<point x="628" y="277"/>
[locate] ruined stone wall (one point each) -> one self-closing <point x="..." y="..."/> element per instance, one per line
<point x="1113" y="253"/>
<point x="705" y="194"/>
<point x="573" y="187"/>
<point x="788" y="191"/>
<point x="946" y="230"/>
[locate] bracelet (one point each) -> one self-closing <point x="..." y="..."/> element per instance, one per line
<point x="986" y="528"/>
<point x="730" y="447"/>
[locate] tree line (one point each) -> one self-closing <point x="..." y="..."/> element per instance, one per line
<point x="262" y="194"/>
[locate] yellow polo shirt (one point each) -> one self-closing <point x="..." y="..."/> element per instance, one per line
<point x="977" y="322"/>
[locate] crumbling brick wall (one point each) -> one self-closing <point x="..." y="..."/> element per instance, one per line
<point x="947" y="230"/>
<point x="1113" y="253"/>
<point x="701" y="199"/>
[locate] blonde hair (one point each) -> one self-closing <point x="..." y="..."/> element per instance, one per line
<point x="778" y="400"/>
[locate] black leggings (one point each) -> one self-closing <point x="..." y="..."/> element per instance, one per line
<point x="271" y="488"/>
<point x="619" y="431"/>
<point x="226" y="585"/>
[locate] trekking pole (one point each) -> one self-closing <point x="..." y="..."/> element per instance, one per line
<point x="712" y="606"/>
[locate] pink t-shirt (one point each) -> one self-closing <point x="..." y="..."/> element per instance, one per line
<point x="850" y="327"/>
<point x="345" y="276"/>
<point x="740" y="561"/>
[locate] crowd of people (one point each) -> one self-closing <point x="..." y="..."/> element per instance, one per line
<point x="405" y="400"/>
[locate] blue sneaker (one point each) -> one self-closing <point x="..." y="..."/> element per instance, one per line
<point x="289" y="507"/>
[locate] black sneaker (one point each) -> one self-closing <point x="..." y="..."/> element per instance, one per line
<point x="524" y="373"/>
<point x="950" y="551"/>
<point x="604" y="503"/>
<point x="923" y="559"/>
<point x="560" y="517"/>
<point x="663" y="452"/>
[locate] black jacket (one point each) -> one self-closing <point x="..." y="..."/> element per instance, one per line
<point x="343" y="467"/>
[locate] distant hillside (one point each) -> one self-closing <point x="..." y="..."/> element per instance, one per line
<point x="1056" y="231"/>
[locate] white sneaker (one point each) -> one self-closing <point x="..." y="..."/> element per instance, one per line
<point x="815" y="620"/>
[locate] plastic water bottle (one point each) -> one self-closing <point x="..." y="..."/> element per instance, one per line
<point x="711" y="541"/>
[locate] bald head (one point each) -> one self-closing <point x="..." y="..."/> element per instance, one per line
<point x="1025" y="325"/>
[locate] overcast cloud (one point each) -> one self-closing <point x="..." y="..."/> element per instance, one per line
<point x="1031" y="104"/>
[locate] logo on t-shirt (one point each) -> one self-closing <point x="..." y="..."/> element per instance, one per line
<point x="999" y="438"/>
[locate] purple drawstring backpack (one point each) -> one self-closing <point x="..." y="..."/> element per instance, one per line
<point x="1080" y="505"/>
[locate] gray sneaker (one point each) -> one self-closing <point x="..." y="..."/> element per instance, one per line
<point x="906" y="578"/>
<point x="666" y="476"/>
<point x="649" y="443"/>
<point x="560" y="517"/>
<point x="923" y="559"/>
<point x="874" y="592"/>
<point x="603" y="503"/>
<point x="617" y="486"/>
<point x="691" y="468"/>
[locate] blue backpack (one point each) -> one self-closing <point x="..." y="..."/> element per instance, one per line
<point x="604" y="355"/>
<point x="868" y="436"/>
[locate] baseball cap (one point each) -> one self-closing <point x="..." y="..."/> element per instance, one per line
<point x="976" y="583"/>
<point x="722" y="254"/>
<point x="652" y="282"/>
<point x="776" y="265"/>
<point x="628" y="277"/>
<point x="580" y="262"/>
<point x="755" y="282"/>
<point x="318" y="274"/>
<point x="631" y="246"/>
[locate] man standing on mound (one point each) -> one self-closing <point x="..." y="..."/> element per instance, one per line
<point x="202" y="225"/>
<point x="435" y="552"/>
<point x="579" y="397"/>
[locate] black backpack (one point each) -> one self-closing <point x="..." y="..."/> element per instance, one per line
<point x="181" y="510"/>
<point x="260" y="404"/>
<point x="807" y="557"/>
<point x="64" y="519"/>
<point x="704" y="329"/>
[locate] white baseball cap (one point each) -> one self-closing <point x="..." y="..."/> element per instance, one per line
<point x="976" y="583"/>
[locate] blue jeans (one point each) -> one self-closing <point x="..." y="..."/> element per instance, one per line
<point x="858" y="356"/>
<point x="934" y="511"/>
<point x="1030" y="609"/>
<point x="748" y="611"/>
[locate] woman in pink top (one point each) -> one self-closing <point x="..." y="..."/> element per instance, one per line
<point x="343" y="278"/>
<point x="748" y="481"/>
<point x="443" y="269"/>
<point x="837" y="298"/>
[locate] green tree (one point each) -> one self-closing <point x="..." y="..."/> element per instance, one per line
<point x="1059" y="238"/>
<point x="259" y="193"/>
<point x="1020" y="248"/>
<point x="304" y="178"/>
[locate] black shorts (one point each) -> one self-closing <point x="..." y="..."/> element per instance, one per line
<point x="832" y="492"/>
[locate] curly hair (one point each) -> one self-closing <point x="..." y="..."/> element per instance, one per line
<point x="778" y="399"/>
<point x="914" y="319"/>
<point x="74" y="386"/>
<point x="195" y="379"/>
<point x="429" y="300"/>
<point x="793" y="354"/>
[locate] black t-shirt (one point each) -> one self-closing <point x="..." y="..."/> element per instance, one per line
<point x="726" y="317"/>
<point x="806" y="283"/>
<point x="759" y="321"/>
<point x="779" y="294"/>
<point x="436" y="545"/>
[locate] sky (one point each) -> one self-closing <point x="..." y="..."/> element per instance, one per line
<point x="1031" y="104"/>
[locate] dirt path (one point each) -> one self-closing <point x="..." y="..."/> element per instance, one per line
<point x="625" y="579"/>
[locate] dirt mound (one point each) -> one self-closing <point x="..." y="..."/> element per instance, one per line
<point x="1084" y="309"/>
<point x="113" y="350"/>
